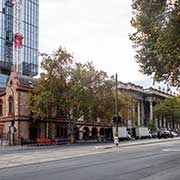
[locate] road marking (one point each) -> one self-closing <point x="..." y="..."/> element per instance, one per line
<point x="171" y="150"/>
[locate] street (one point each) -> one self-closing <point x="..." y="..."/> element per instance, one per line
<point x="141" y="162"/>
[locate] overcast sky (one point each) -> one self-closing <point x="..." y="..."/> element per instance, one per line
<point x="93" y="30"/>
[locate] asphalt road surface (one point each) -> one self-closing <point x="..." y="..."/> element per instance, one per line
<point x="143" y="162"/>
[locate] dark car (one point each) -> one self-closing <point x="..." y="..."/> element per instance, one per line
<point x="164" y="134"/>
<point x="154" y="134"/>
<point x="173" y="134"/>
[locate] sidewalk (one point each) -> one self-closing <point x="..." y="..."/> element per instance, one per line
<point x="105" y="145"/>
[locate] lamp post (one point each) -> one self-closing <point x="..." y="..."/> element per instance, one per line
<point x="11" y="127"/>
<point x="116" y="137"/>
<point x="116" y="104"/>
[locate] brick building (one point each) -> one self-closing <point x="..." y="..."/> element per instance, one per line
<point x="14" y="109"/>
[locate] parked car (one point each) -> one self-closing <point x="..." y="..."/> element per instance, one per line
<point x="129" y="136"/>
<point x="173" y="134"/>
<point x="154" y="134"/>
<point x="164" y="134"/>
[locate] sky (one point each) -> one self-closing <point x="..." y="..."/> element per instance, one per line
<point x="92" y="30"/>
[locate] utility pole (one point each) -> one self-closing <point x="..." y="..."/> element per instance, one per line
<point x="116" y="138"/>
<point x="116" y="103"/>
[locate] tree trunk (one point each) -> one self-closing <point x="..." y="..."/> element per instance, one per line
<point x="71" y="129"/>
<point x="50" y="131"/>
<point x="46" y="129"/>
<point x="72" y="139"/>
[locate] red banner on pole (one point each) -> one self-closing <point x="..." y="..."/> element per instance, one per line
<point x="18" y="40"/>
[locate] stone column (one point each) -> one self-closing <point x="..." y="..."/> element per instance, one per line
<point x="81" y="135"/>
<point x="142" y="113"/>
<point x="160" y="122"/>
<point x="98" y="134"/>
<point x="139" y="115"/>
<point x="151" y="110"/>
<point x="164" y="122"/>
<point x="81" y="132"/>
<point x="156" y="122"/>
<point x="167" y="125"/>
<point x="98" y="131"/>
<point x="90" y="132"/>
<point x="176" y="125"/>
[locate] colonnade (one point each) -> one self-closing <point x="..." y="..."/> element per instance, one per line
<point x="90" y="132"/>
<point x="146" y="114"/>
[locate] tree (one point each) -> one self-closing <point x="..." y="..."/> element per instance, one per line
<point x="157" y="38"/>
<point x="78" y="90"/>
<point x="152" y="125"/>
<point x="41" y="103"/>
<point x="46" y="96"/>
<point x="127" y="107"/>
<point x="170" y="109"/>
<point x="89" y="95"/>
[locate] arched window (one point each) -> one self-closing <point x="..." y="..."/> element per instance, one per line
<point x="1" y="107"/>
<point x="11" y="105"/>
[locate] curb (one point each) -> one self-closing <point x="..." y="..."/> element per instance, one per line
<point x="142" y="143"/>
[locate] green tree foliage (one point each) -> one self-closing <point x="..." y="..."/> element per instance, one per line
<point x="46" y="98"/>
<point x="39" y="100"/>
<point x="152" y="125"/>
<point x="78" y="90"/>
<point x="157" y="38"/>
<point x="170" y="109"/>
<point x="52" y="84"/>
<point x="128" y="104"/>
<point x="89" y="95"/>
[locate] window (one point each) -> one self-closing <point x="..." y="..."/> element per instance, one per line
<point x="11" y="105"/>
<point x="62" y="132"/>
<point x="57" y="132"/>
<point x="1" y="107"/>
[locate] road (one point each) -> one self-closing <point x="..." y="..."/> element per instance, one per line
<point x="143" y="162"/>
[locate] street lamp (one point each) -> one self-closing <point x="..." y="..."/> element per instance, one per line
<point x="11" y="127"/>
<point x="116" y="137"/>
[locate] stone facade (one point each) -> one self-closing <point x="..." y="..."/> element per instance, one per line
<point x="146" y="100"/>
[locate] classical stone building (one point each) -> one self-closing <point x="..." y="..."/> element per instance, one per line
<point x="146" y="100"/>
<point x="16" y="121"/>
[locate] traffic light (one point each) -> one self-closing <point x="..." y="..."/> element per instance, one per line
<point x="114" y="119"/>
<point x="12" y="123"/>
